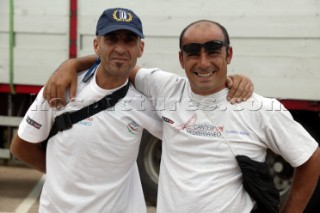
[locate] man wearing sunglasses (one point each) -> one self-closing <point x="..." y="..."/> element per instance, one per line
<point x="202" y="131"/>
<point x="199" y="172"/>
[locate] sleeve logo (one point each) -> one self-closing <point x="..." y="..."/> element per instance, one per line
<point x="33" y="123"/>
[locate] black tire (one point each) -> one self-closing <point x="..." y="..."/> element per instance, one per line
<point x="149" y="165"/>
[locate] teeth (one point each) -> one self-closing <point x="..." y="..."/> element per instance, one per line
<point x="204" y="75"/>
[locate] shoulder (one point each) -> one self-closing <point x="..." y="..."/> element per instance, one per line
<point x="263" y="103"/>
<point x="81" y="82"/>
<point x="156" y="83"/>
<point x="135" y="99"/>
<point x="158" y="75"/>
<point x="133" y="92"/>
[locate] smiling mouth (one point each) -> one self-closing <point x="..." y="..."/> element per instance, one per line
<point x="204" y="75"/>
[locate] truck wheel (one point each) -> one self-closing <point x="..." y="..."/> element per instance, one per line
<point x="149" y="165"/>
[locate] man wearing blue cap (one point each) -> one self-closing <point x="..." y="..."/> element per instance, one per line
<point x="91" y="167"/>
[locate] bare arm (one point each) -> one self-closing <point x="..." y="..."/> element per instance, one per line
<point x="65" y="76"/>
<point x="304" y="182"/>
<point x="30" y="153"/>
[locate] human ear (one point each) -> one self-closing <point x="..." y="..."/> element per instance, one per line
<point x="181" y="59"/>
<point x="96" y="46"/>
<point x="229" y="54"/>
<point x="141" y="48"/>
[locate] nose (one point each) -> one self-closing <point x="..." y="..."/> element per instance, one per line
<point x="204" y="61"/>
<point x="120" y="47"/>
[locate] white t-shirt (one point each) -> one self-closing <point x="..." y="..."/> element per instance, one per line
<point x="198" y="171"/>
<point x="92" y="166"/>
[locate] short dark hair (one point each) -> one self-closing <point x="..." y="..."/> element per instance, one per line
<point x="223" y="29"/>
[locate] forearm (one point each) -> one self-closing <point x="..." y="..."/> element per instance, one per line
<point x="85" y="62"/>
<point x="65" y="77"/>
<point x="77" y="64"/>
<point x="304" y="182"/>
<point x="30" y="153"/>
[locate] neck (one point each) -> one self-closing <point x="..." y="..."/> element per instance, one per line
<point x="107" y="81"/>
<point x="207" y="92"/>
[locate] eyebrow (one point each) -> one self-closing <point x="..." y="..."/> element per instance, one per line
<point x="128" y="33"/>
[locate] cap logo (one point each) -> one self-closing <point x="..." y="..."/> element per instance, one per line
<point x="121" y="15"/>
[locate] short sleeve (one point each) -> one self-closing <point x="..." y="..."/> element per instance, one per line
<point x="293" y="142"/>
<point x="37" y="122"/>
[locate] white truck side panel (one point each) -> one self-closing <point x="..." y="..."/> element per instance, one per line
<point x="41" y="39"/>
<point x="276" y="43"/>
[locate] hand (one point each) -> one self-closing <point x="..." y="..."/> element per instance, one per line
<point x="65" y="76"/>
<point x="240" y="88"/>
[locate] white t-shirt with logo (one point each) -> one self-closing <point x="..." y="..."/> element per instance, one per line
<point x="92" y="166"/>
<point x="199" y="172"/>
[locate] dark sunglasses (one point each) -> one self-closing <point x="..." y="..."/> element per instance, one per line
<point x="210" y="47"/>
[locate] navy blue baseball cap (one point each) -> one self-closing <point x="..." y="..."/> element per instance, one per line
<point x="119" y="19"/>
